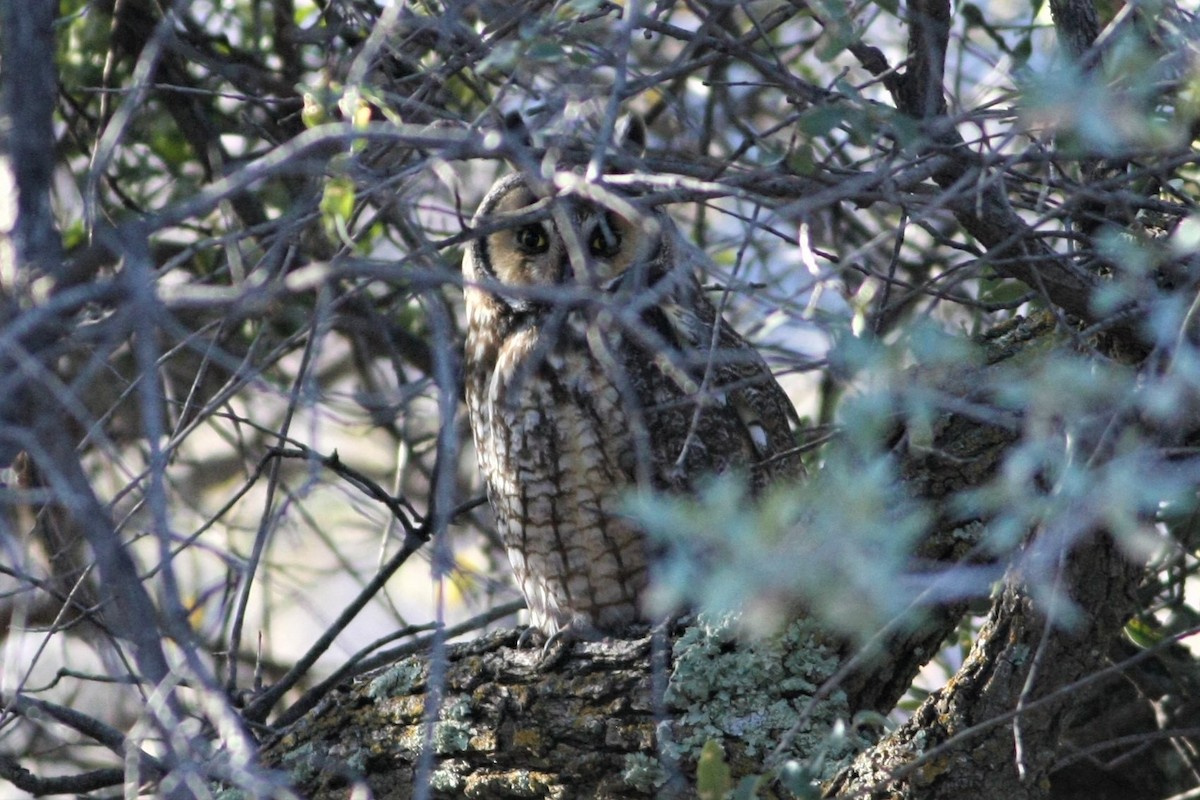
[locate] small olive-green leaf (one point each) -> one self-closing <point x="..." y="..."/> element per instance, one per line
<point x="713" y="779"/>
<point x="820" y="120"/>
<point x="313" y="113"/>
<point x="337" y="204"/>
<point x="1142" y="634"/>
<point x="546" y="50"/>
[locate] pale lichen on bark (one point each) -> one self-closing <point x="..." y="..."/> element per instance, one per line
<point x="586" y="725"/>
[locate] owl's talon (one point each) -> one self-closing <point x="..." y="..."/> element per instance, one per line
<point x="531" y="637"/>
<point x="560" y="643"/>
<point x="556" y="649"/>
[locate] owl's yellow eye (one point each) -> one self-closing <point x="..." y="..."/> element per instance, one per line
<point x="533" y="239"/>
<point x="605" y="241"/>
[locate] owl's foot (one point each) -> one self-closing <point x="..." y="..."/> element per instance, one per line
<point x="556" y="648"/>
<point x="533" y="636"/>
<point x="559" y="644"/>
<point x="577" y="629"/>
<point x="553" y="647"/>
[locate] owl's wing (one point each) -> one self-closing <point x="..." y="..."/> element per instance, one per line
<point x="709" y="401"/>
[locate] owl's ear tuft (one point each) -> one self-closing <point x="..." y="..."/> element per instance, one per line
<point x="515" y="129"/>
<point x="630" y="134"/>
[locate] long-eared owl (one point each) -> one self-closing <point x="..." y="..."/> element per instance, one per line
<point x="595" y="364"/>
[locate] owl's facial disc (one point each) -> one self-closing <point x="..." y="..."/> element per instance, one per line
<point x="600" y="245"/>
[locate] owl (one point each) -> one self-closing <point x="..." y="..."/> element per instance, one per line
<point x="596" y="365"/>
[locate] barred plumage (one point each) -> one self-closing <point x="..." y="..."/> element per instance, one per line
<point x="594" y="363"/>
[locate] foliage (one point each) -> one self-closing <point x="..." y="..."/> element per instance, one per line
<point x="229" y="349"/>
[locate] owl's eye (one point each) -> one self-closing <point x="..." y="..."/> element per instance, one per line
<point x="533" y="239"/>
<point x="605" y="241"/>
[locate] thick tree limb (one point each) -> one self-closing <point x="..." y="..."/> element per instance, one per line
<point x="26" y="112"/>
<point x="920" y="90"/>
<point x="1077" y="25"/>
<point x="984" y="734"/>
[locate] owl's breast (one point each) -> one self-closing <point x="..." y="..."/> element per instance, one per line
<point x="555" y="450"/>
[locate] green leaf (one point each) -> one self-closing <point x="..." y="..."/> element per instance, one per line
<point x="546" y="50"/>
<point x="820" y="120"/>
<point x="713" y="780"/>
<point x="1142" y="634"/>
<point x="337" y="204"/>
<point x="502" y="60"/>
<point x="838" y="32"/>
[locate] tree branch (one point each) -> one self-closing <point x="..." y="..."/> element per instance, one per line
<point x="920" y="91"/>
<point x="12" y="771"/>
<point x="26" y="120"/>
<point x="1021" y="655"/>
<point x="1077" y="25"/>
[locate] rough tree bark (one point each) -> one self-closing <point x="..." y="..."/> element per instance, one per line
<point x="994" y="731"/>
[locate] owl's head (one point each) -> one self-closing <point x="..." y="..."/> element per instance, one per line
<point x="576" y="239"/>
<point x="540" y="244"/>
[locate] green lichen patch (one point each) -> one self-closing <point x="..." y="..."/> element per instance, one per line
<point x="451" y="736"/>
<point x="452" y="733"/>
<point x="643" y="772"/>
<point x="749" y="696"/>
<point x="301" y="762"/>
<point x="513" y="783"/>
<point x="448" y="777"/>
<point x="405" y="678"/>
